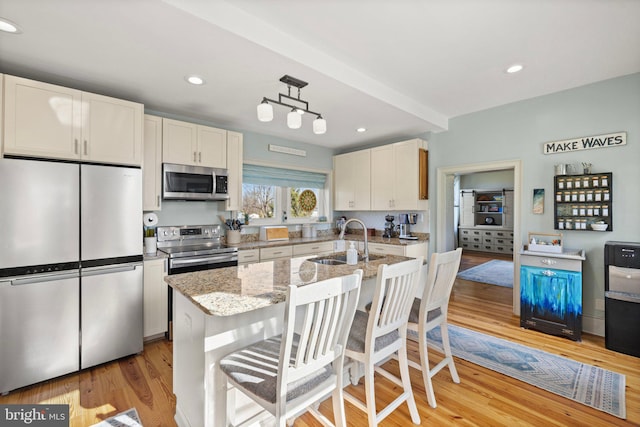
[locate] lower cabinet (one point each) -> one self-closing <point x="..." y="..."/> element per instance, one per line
<point x="155" y="298"/>
<point x="486" y="240"/>
<point x="277" y="252"/>
<point x="413" y="250"/>
<point x="551" y="298"/>
<point x="320" y="248"/>
<point x="248" y="256"/>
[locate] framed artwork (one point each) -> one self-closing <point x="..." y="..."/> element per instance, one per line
<point x="538" y="201"/>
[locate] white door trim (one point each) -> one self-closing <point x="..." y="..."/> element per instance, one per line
<point x="444" y="211"/>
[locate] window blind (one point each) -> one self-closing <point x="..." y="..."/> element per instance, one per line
<point x="267" y="175"/>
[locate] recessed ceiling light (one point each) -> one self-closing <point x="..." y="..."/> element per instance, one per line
<point x="361" y="130"/>
<point x="195" y="80"/>
<point x="515" y="68"/>
<point x="8" y="26"/>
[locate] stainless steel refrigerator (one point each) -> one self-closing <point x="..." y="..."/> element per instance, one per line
<point x="70" y="268"/>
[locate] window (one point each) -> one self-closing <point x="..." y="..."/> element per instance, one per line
<point x="274" y="195"/>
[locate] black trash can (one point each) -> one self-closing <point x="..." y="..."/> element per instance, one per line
<point x="622" y="297"/>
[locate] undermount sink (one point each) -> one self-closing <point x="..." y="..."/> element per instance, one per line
<point x="328" y="261"/>
<point x="341" y="259"/>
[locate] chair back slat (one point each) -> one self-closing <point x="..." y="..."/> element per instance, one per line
<point x="395" y="291"/>
<point x="322" y="314"/>
<point x="443" y="269"/>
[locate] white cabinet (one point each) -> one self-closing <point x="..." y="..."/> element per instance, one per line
<point x="319" y="248"/>
<point x="486" y="240"/>
<point x="234" y="170"/>
<point x="45" y="120"/>
<point x="277" y="252"/>
<point x="248" y="256"/>
<point x="352" y="174"/>
<point x="467" y="200"/>
<point x="155" y="298"/>
<point x="395" y="176"/>
<point x="191" y="144"/>
<point x="152" y="163"/>
<point x="412" y="250"/>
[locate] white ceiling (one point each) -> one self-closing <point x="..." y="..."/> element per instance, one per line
<point x="398" y="68"/>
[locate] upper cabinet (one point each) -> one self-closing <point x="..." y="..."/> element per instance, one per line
<point x="352" y="174"/>
<point x="152" y="164"/>
<point x="234" y="171"/>
<point x="396" y="174"/>
<point x="191" y="144"/>
<point x="49" y="121"/>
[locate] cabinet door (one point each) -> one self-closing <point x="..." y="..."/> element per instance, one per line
<point x="155" y="298"/>
<point x="352" y="173"/>
<point x="406" y="175"/>
<point x="152" y="163"/>
<point x="212" y="147"/>
<point x="381" y="248"/>
<point x="41" y="119"/>
<point x="111" y="130"/>
<point x="383" y="179"/>
<point x="507" y="209"/>
<point x="467" y="201"/>
<point x="234" y="170"/>
<point x="179" y="142"/>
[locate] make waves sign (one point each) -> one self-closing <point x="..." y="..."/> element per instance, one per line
<point x="585" y="143"/>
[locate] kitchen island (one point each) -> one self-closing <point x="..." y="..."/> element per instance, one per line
<point x="219" y="311"/>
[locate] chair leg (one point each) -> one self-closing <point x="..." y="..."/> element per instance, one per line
<point x="426" y="373"/>
<point x="339" y="417"/>
<point x="370" y="394"/>
<point x="406" y="383"/>
<point x="447" y="352"/>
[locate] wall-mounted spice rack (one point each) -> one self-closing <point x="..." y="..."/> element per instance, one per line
<point x="582" y="200"/>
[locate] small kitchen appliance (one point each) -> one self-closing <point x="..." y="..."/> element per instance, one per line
<point x="389" y="226"/>
<point x="406" y="220"/>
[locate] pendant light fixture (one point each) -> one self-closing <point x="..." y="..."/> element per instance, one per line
<point x="294" y="117"/>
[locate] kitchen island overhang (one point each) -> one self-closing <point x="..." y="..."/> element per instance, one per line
<point x="219" y="311"/>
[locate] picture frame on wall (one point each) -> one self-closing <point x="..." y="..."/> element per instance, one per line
<point x="538" y="201"/>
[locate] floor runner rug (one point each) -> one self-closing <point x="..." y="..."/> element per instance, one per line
<point x="128" y="418"/>
<point x="494" y="272"/>
<point x="592" y="386"/>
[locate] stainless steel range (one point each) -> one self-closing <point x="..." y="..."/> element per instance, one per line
<point x="195" y="248"/>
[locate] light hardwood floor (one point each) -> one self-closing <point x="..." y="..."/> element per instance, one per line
<point x="483" y="398"/>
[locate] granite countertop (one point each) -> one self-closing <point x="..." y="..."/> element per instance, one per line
<point x="424" y="237"/>
<point x="234" y="290"/>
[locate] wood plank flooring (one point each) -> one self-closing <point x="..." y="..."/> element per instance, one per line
<point x="483" y="398"/>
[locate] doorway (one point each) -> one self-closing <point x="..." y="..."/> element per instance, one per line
<point x="446" y="212"/>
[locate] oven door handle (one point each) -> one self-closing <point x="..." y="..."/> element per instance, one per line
<point x="202" y="260"/>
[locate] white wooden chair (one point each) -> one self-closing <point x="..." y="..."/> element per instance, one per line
<point x="381" y="334"/>
<point x="289" y="373"/>
<point x="431" y="311"/>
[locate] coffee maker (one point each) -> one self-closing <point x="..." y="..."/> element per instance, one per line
<point x="406" y="220"/>
<point x="389" y="226"/>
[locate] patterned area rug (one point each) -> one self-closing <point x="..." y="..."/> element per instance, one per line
<point x="128" y="418"/>
<point x="494" y="272"/>
<point x="586" y="384"/>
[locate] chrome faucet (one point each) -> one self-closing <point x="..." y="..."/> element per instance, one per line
<point x="366" y="242"/>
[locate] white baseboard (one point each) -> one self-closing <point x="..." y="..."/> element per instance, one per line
<point x="593" y="325"/>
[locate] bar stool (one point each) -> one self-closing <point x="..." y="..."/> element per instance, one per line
<point x="288" y="374"/>
<point x="430" y="312"/>
<point x="381" y="334"/>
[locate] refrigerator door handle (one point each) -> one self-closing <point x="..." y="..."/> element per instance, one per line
<point x="43" y="278"/>
<point x="94" y="271"/>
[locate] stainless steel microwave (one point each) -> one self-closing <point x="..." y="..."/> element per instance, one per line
<point x="183" y="182"/>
